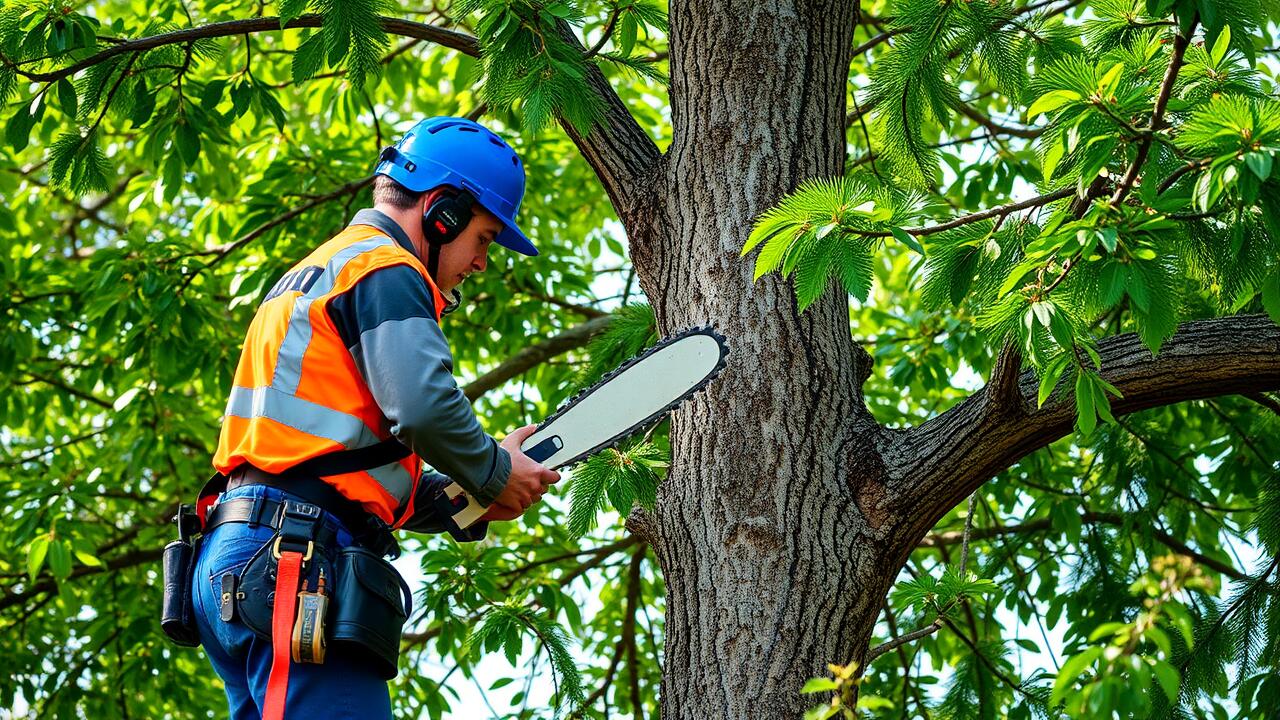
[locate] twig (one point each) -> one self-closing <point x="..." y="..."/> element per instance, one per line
<point x="629" y="630"/>
<point x="879" y="650"/>
<point x="221" y="252"/>
<point x="604" y="35"/>
<point x="1183" y="170"/>
<point x="1180" y="43"/>
<point x="1265" y="401"/>
<point x="968" y="529"/>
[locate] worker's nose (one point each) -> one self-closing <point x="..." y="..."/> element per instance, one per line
<point x="480" y="262"/>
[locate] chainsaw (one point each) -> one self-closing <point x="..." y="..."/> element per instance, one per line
<point x="626" y="401"/>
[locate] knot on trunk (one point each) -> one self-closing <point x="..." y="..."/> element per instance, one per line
<point x="862" y="364"/>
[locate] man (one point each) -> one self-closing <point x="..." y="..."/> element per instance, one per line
<point x="343" y="389"/>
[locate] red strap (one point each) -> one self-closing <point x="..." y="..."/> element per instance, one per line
<point x="288" y="574"/>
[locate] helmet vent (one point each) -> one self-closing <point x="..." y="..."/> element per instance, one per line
<point x="464" y="128"/>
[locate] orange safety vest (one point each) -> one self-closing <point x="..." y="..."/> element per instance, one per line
<point x="297" y="393"/>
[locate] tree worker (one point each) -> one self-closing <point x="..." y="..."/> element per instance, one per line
<point x="344" y="388"/>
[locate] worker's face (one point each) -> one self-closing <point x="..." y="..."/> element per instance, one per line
<point x="469" y="253"/>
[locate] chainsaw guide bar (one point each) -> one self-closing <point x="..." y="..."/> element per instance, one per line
<point x="648" y="386"/>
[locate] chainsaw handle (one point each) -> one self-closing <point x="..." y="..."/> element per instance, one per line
<point x="469" y="515"/>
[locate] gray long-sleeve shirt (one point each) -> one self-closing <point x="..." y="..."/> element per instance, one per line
<point x="388" y="323"/>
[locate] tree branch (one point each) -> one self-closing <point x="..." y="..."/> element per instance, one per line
<point x="620" y="152"/>
<point x="995" y="128"/>
<point x="952" y="537"/>
<point x="1265" y="401"/>
<point x="879" y="650"/>
<point x="629" y="630"/>
<point x="999" y="211"/>
<point x="937" y="464"/>
<point x="531" y="356"/>
<point x="1180" y="43"/>
<point x="448" y="38"/>
<point x="1005" y="396"/>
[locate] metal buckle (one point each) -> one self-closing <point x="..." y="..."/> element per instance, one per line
<point x="275" y="549"/>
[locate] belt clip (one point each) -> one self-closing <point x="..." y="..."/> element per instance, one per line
<point x="275" y="549"/>
<point x="297" y="526"/>
<point x="188" y="522"/>
<point x="298" y="521"/>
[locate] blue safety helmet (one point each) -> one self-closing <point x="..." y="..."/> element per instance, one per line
<point x="462" y="154"/>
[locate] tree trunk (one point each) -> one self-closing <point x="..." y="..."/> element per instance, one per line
<point x="788" y="512"/>
<point x="761" y="528"/>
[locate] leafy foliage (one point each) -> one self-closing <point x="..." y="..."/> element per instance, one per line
<point x="154" y="196"/>
<point x="503" y="627"/>
<point x="819" y="231"/>
<point x="631" y="330"/>
<point x="624" y="476"/>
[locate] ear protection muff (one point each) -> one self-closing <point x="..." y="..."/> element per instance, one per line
<point x="447" y="214"/>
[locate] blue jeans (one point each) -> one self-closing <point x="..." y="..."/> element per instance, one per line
<point x="338" y="688"/>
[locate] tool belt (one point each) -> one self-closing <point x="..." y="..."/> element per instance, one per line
<point x="351" y="601"/>
<point x="300" y="591"/>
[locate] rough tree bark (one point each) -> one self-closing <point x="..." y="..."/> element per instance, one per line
<point x="788" y="511"/>
<point x="771" y="565"/>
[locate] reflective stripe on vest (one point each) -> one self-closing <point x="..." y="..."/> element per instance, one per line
<point x="310" y="425"/>
<point x="298" y="337"/>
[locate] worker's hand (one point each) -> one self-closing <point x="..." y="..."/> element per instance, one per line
<point x="528" y="480"/>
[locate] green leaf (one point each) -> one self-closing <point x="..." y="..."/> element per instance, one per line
<point x="290" y="10"/>
<point x="906" y="238"/>
<point x="1219" y="52"/>
<point x="87" y="558"/>
<point x="1137" y="289"/>
<point x="67" y="99"/>
<point x="1016" y="274"/>
<point x="1052" y="156"/>
<point x="187" y="139"/>
<point x="821" y="712"/>
<point x="1109" y="82"/>
<point x="1259" y="162"/>
<point x="1271" y="295"/>
<point x="59" y="558"/>
<point x="1167" y="677"/>
<point x="1110" y="238"/>
<point x="267" y="102"/>
<point x="17" y="132"/>
<point x="1101" y="404"/>
<point x="814" y="685"/>
<point x="1086" y="414"/>
<point x="1071" y="670"/>
<point x="1050" y="377"/>
<point x="1051" y="101"/>
<point x="627" y="30"/>
<point x="308" y="58"/>
<point x="1183" y="621"/>
<point x="1112" y="282"/>
<point x="36" y="553"/>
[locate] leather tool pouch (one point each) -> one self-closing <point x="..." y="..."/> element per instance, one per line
<point x="177" y="615"/>
<point x="256" y="595"/>
<point x="367" y="608"/>
<point x="371" y="603"/>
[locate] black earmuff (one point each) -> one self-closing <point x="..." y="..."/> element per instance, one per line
<point x="446" y="217"/>
<point x="443" y="222"/>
